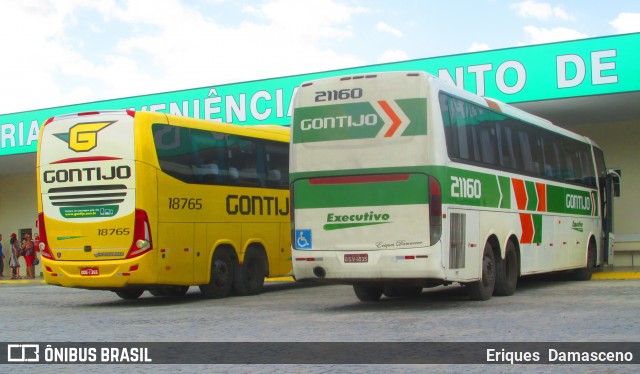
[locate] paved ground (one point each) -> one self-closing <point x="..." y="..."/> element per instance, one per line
<point x="544" y="309"/>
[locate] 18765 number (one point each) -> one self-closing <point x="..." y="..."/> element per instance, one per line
<point x="176" y="203"/>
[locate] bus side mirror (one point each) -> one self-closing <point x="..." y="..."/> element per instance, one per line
<point x="615" y="175"/>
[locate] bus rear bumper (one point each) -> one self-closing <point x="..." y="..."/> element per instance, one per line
<point x="109" y="274"/>
<point x="363" y="266"/>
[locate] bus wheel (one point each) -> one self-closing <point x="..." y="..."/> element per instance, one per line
<point x="507" y="272"/>
<point x="483" y="289"/>
<point x="406" y="292"/>
<point x="221" y="276"/>
<point x="249" y="278"/>
<point x="130" y="294"/>
<point x="170" y="291"/>
<point x="585" y="273"/>
<point x="368" y="293"/>
<point x="175" y="291"/>
<point x="390" y="292"/>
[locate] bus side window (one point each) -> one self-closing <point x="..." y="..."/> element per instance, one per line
<point x="249" y="160"/>
<point x="277" y="157"/>
<point x="488" y="144"/>
<point x="451" y="136"/>
<point x="551" y="155"/>
<point x="573" y="171"/>
<point x="173" y="149"/>
<point x="589" y="175"/>
<point x="508" y="158"/>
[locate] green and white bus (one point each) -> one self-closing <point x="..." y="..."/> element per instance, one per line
<point x="401" y="181"/>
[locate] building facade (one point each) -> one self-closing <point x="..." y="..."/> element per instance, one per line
<point x="589" y="86"/>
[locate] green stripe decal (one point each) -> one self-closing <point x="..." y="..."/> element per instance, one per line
<point x="505" y="189"/>
<point x="415" y="190"/>
<point x="532" y="195"/>
<point x="70" y="237"/>
<point x="338" y="226"/>
<point x="459" y="187"/>
<point x="537" y="227"/>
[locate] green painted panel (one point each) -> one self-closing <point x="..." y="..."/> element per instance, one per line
<point x="537" y="226"/>
<point x="532" y="197"/>
<point x="414" y="190"/>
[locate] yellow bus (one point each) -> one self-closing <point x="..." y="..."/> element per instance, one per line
<point x="133" y="201"/>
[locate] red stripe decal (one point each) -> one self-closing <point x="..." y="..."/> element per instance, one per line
<point x="493" y="105"/>
<point x="526" y="221"/>
<point x="360" y="179"/>
<point x="521" y="193"/>
<point x="86" y="159"/>
<point x="396" y="121"/>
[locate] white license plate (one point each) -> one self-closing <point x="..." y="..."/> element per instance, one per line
<point x="89" y="272"/>
<point x="358" y="257"/>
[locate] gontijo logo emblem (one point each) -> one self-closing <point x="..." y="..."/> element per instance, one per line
<point x="381" y="119"/>
<point x="83" y="137"/>
<point x="388" y="112"/>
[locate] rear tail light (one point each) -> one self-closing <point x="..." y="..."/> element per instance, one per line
<point x="44" y="243"/>
<point x="142" y="242"/>
<point x="435" y="210"/>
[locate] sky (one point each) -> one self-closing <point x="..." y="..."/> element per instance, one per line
<point x="63" y="52"/>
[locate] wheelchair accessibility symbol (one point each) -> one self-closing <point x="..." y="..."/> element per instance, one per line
<point x="303" y="239"/>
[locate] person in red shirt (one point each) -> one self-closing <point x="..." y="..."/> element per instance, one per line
<point x="29" y="255"/>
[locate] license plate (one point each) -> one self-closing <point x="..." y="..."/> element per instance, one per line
<point x="353" y="258"/>
<point x="89" y="272"/>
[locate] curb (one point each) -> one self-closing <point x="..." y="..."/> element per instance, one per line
<point x="20" y="281"/>
<point x="621" y="275"/>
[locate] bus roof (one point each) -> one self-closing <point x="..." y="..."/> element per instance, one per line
<point x="272" y="132"/>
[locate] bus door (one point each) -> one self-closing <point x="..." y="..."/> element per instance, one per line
<point x="463" y="256"/>
<point x="608" y="180"/>
<point x="607" y="193"/>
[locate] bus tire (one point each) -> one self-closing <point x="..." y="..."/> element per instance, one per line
<point x="249" y="277"/>
<point x="585" y="273"/>
<point x="409" y="292"/>
<point x="367" y="293"/>
<point x="170" y="291"/>
<point x="221" y="278"/>
<point x="390" y="292"/>
<point x="129" y="294"/>
<point x="507" y="272"/>
<point x="483" y="289"/>
<point x="175" y="291"/>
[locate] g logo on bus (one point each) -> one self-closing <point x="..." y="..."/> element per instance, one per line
<point x="83" y="137"/>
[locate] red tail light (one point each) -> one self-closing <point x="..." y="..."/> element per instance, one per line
<point x="141" y="243"/>
<point x="435" y="210"/>
<point x="44" y="244"/>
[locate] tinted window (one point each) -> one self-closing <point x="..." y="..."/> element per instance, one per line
<point x="209" y="157"/>
<point x="478" y="135"/>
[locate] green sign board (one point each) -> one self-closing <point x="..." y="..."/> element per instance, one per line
<point x="541" y="72"/>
